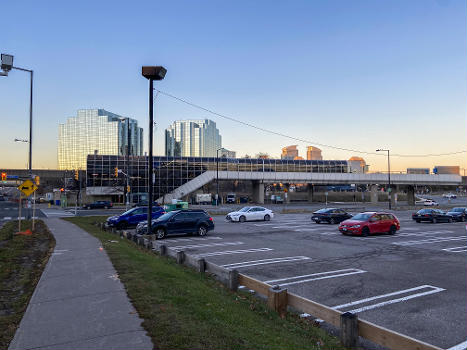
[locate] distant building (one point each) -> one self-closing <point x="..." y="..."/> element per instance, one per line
<point x="418" y="170"/>
<point x="262" y="155"/>
<point x="313" y="153"/>
<point x="446" y="169"/>
<point x="96" y="130"/>
<point x="358" y="165"/>
<point x="225" y="153"/>
<point x="289" y="152"/>
<point x="192" y="138"/>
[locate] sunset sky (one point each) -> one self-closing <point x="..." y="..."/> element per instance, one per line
<point x="359" y="74"/>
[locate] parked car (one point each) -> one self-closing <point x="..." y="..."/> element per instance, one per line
<point x="330" y="215"/>
<point x="449" y="195"/>
<point x="250" y="214"/>
<point x="368" y="223"/>
<point x="179" y="221"/>
<point x="430" y="203"/>
<point x="458" y="214"/>
<point x="231" y="198"/>
<point x="431" y="215"/>
<point x="98" y="205"/>
<point x="144" y="204"/>
<point x="133" y="217"/>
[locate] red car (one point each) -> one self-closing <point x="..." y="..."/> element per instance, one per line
<point x="367" y="223"/>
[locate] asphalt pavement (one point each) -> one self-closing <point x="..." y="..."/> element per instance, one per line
<point x="414" y="282"/>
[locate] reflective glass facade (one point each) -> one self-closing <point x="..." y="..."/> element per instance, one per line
<point x="96" y="130"/>
<point x="172" y="172"/>
<point x="192" y="138"/>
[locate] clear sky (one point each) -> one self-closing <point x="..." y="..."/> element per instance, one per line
<point x="360" y="74"/>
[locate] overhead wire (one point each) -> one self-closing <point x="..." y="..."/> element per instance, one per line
<point x="300" y="139"/>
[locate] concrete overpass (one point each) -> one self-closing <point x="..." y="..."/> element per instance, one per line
<point x="260" y="178"/>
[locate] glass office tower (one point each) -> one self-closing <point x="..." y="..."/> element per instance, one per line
<point x="192" y="138"/>
<point x="96" y="131"/>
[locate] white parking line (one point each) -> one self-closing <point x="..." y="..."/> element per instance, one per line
<point x="208" y="245"/>
<point x="227" y="252"/>
<point x="431" y="240"/>
<point x="392" y="301"/>
<point x="266" y="261"/>
<point x="169" y="240"/>
<point x="456" y="249"/>
<point x="461" y="346"/>
<point x="316" y="276"/>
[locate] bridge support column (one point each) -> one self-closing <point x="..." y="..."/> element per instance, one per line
<point x="310" y="192"/>
<point x="258" y="192"/>
<point x="393" y="195"/>
<point x="410" y="195"/>
<point x="374" y="194"/>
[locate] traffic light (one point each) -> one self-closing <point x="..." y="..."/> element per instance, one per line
<point x="76" y="175"/>
<point x="37" y="180"/>
<point x="128" y="189"/>
<point x="116" y="172"/>
<point x="3" y="176"/>
<point x="62" y="189"/>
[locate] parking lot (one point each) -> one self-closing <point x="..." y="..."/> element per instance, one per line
<point x="413" y="282"/>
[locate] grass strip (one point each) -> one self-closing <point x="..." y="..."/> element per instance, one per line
<point x="183" y="309"/>
<point x="22" y="260"/>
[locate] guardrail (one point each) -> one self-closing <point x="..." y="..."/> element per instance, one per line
<point x="279" y="299"/>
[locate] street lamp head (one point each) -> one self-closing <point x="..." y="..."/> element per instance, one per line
<point x="153" y="72"/>
<point x="7" y="62"/>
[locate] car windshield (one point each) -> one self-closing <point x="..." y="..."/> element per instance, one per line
<point x="167" y="215"/>
<point x="458" y="210"/>
<point x="361" y="217"/>
<point x="129" y="211"/>
<point x="424" y="211"/>
<point x="325" y="210"/>
<point x="244" y="209"/>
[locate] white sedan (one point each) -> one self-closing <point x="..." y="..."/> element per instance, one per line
<point x="250" y="214"/>
<point x="429" y="203"/>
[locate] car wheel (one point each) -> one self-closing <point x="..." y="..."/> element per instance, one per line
<point x="88" y="207"/>
<point x="365" y="231"/>
<point x="202" y="231"/>
<point x="450" y="220"/>
<point x="392" y="230"/>
<point x="267" y="217"/>
<point x="332" y="221"/>
<point x="318" y="221"/>
<point x="241" y="219"/>
<point x="462" y="218"/>
<point x="122" y="225"/>
<point x="434" y="220"/>
<point x="418" y="221"/>
<point x="106" y="207"/>
<point x="160" y="233"/>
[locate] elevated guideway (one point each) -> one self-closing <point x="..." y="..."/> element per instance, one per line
<point x="312" y="178"/>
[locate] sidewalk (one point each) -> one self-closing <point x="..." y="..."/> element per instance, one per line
<point x="79" y="302"/>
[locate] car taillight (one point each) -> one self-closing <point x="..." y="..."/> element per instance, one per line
<point x="210" y="219"/>
<point x="426" y="215"/>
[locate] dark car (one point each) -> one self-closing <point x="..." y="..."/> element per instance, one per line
<point x="98" y="205"/>
<point x="180" y="221"/>
<point x="368" y="223"/>
<point x="133" y="217"/>
<point x="458" y="214"/>
<point x="330" y="215"/>
<point x="431" y="215"/>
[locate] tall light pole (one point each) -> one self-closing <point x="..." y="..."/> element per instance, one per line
<point x="7" y="65"/>
<point x="389" y="175"/>
<point x="151" y="73"/>
<point x="217" y="175"/>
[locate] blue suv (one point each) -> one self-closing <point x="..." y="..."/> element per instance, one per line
<point x="133" y="217"/>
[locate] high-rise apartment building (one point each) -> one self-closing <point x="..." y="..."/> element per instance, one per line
<point x="96" y="130"/>
<point x="289" y="152"/>
<point x="192" y="138"/>
<point x="313" y="153"/>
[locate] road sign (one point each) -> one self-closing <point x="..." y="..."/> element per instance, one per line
<point x="27" y="187"/>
